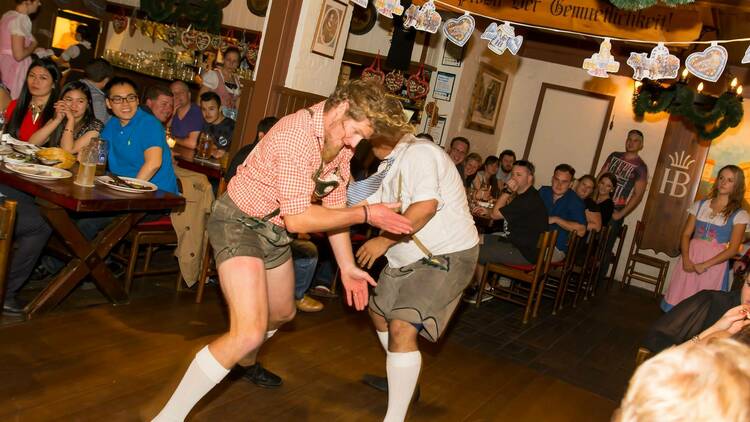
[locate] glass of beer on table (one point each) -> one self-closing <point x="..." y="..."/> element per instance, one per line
<point x="205" y="142"/>
<point x="88" y="158"/>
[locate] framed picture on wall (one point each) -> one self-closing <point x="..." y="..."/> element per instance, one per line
<point x="453" y="55"/>
<point x="486" y="99"/>
<point x="328" y="29"/>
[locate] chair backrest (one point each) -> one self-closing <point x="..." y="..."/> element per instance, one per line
<point x="574" y="242"/>
<point x="592" y="244"/>
<point x="635" y="247"/>
<point x="546" y="246"/>
<point x="7" y="224"/>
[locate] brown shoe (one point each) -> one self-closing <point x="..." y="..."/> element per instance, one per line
<point x="308" y="304"/>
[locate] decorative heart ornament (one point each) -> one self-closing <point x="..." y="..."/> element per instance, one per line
<point x="601" y="64"/>
<point x="423" y="18"/>
<point x="119" y="23"/>
<point x="709" y="63"/>
<point x="360" y="3"/>
<point x="502" y="38"/>
<point x="660" y="65"/>
<point x="388" y="8"/>
<point x="459" y="30"/>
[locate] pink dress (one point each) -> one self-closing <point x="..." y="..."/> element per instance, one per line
<point x="12" y="71"/>
<point x="711" y="236"/>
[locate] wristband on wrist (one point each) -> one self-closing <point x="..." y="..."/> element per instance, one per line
<point x="367" y="214"/>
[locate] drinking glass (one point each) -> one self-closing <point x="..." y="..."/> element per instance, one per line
<point x="205" y="141"/>
<point x="88" y="158"/>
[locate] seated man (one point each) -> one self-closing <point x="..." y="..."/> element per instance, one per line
<point x="187" y="120"/>
<point x="263" y="127"/>
<point x="159" y="103"/>
<point x="427" y="271"/>
<point x="30" y="236"/>
<point x="218" y="127"/>
<point x="566" y="210"/>
<point x="524" y="220"/>
<point x="136" y="141"/>
<point x="98" y="73"/>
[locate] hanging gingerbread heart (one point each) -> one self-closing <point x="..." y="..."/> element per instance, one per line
<point x="360" y="3"/>
<point x="373" y="73"/>
<point x="459" y="30"/>
<point x="187" y="39"/>
<point x="394" y="81"/>
<point x="119" y="24"/>
<point x="202" y="40"/>
<point x="216" y="42"/>
<point x="416" y="86"/>
<point x="709" y="63"/>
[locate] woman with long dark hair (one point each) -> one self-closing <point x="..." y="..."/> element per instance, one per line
<point x="36" y="103"/>
<point x="712" y="235"/>
<point x="486" y="179"/>
<point x="74" y="124"/>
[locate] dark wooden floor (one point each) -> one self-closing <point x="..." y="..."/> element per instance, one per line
<point x="94" y="362"/>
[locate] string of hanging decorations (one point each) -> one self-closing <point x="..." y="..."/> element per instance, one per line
<point x="708" y="64"/>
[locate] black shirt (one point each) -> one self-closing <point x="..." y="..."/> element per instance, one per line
<point x="605" y="208"/>
<point x="525" y="219"/>
<point x="238" y="159"/>
<point x="221" y="133"/>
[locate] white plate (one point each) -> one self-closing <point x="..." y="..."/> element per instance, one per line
<point x="37" y="171"/>
<point x="5" y="149"/>
<point x="25" y="148"/>
<point x="107" y="181"/>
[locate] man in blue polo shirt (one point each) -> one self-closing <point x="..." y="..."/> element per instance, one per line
<point x="565" y="209"/>
<point x="136" y="141"/>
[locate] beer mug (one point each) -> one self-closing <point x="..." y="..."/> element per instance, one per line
<point x="205" y="142"/>
<point x="88" y="158"/>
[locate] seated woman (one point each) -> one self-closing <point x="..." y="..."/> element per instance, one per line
<point x="35" y="104"/>
<point x="471" y="166"/>
<point x="485" y="183"/>
<point x="584" y="189"/>
<point x="712" y="236"/>
<point x="74" y="124"/>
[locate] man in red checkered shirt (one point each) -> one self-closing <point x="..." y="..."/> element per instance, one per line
<point x="301" y="162"/>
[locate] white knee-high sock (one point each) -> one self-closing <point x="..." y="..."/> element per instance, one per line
<point x="403" y="372"/>
<point x="201" y="376"/>
<point x="383" y="337"/>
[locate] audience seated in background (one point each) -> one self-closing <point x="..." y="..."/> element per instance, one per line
<point x="263" y="127"/>
<point x="507" y="158"/>
<point x="218" y="127"/>
<point x="458" y="150"/>
<point x="187" y="120"/>
<point x="566" y="210"/>
<point x="525" y="219"/>
<point x="692" y="382"/>
<point x="159" y="102"/>
<point x="485" y="182"/>
<point x="470" y="168"/>
<point x="98" y="73"/>
<point x="74" y="124"/>
<point x="584" y="188"/>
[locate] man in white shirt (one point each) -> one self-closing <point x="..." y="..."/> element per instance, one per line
<point x="427" y="272"/>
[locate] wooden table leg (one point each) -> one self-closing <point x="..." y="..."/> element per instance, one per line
<point x="89" y="258"/>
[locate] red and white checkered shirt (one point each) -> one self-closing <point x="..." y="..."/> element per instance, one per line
<point x="279" y="172"/>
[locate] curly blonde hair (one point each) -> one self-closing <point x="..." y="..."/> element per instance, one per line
<point x="691" y="382"/>
<point x="367" y="101"/>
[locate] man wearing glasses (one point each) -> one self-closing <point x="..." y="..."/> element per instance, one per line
<point x="136" y="142"/>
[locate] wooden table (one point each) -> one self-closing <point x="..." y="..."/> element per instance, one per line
<point x="185" y="158"/>
<point x="57" y="199"/>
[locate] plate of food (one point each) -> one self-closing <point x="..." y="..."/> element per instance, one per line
<point x="18" y="158"/>
<point x="38" y="171"/>
<point x="5" y="149"/>
<point x="25" y="148"/>
<point x="126" y="184"/>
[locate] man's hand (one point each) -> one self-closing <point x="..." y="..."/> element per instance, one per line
<point x="618" y="215"/>
<point x="700" y="268"/>
<point x="512" y="185"/>
<point x="552" y="219"/>
<point x="355" y="283"/>
<point x="371" y="251"/>
<point x="384" y="217"/>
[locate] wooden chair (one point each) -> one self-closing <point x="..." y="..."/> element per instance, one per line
<point x="581" y="268"/>
<point x="642" y="355"/>
<point x="600" y="254"/>
<point x="151" y="234"/>
<point x="615" y="255"/>
<point x="560" y="271"/>
<point x="636" y="257"/>
<point x="532" y="276"/>
<point x="7" y="225"/>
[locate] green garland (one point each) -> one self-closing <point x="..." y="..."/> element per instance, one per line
<point x="678" y="100"/>
<point x="201" y="14"/>
<point x="643" y="4"/>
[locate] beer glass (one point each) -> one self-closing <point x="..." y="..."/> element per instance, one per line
<point x="88" y="158"/>
<point x="205" y="142"/>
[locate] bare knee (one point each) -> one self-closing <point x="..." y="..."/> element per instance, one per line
<point x="402" y="336"/>
<point x="245" y="341"/>
<point x="284" y="315"/>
